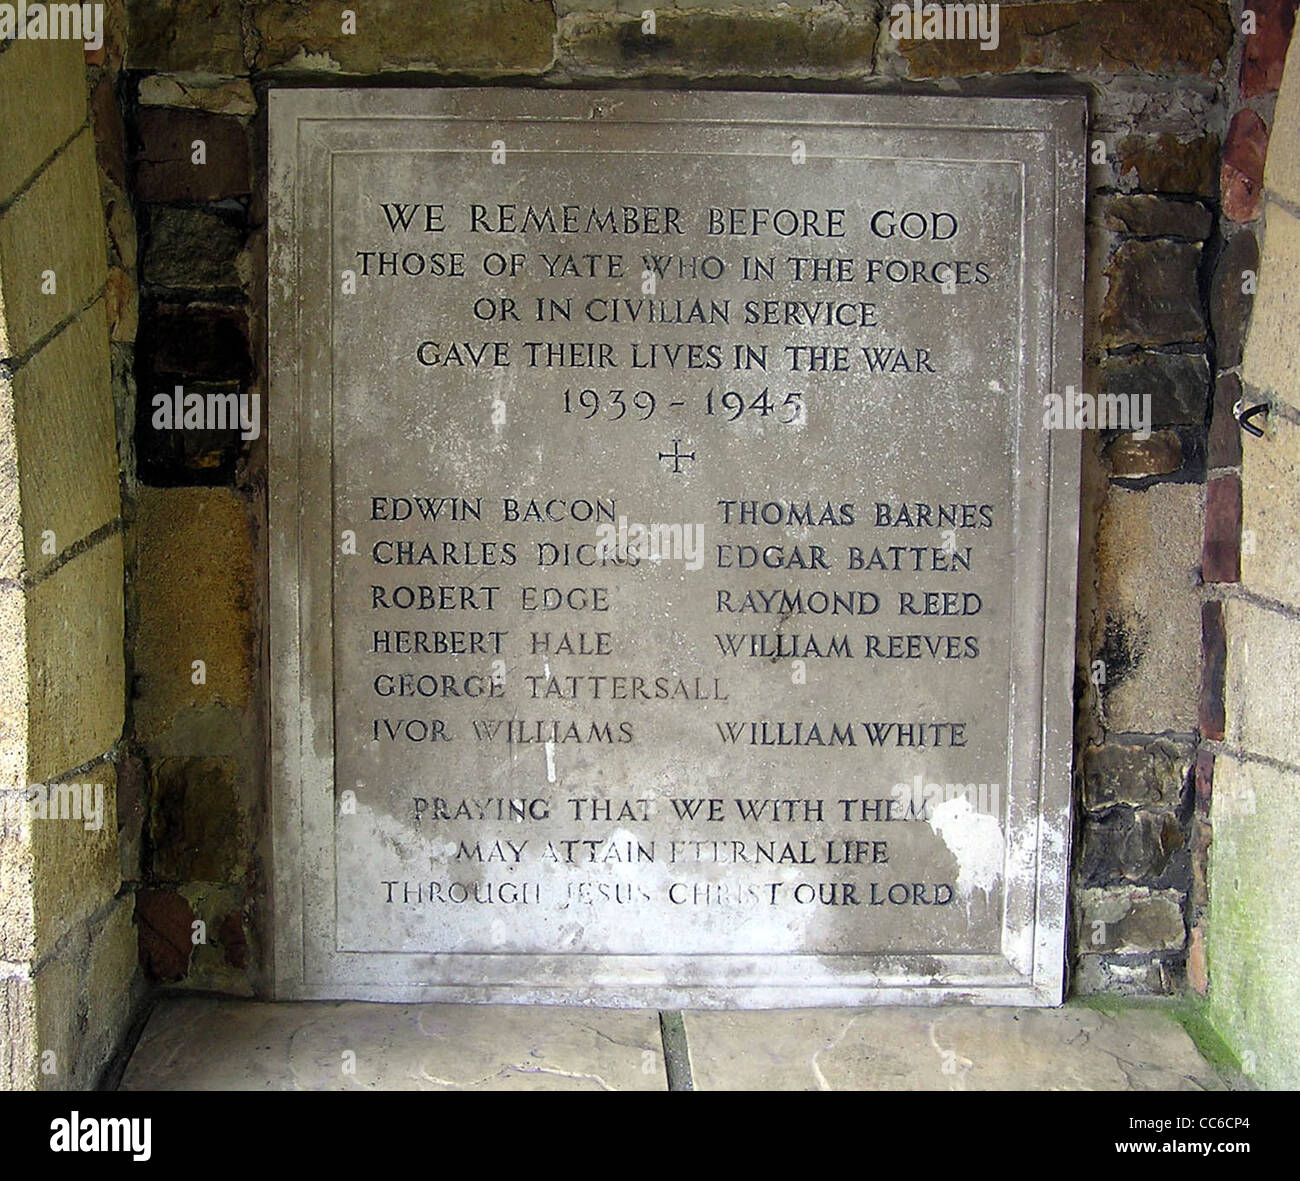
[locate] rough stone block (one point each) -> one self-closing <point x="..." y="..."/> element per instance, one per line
<point x="1231" y="297"/>
<point x="1105" y="36"/>
<point x="1225" y="433"/>
<point x="1103" y="975"/>
<point x="56" y="226"/>
<point x="198" y="830"/>
<point x="1169" y="163"/>
<point x="193" y="250"/>
<point x="476" y="36"/>
<point x="76" y="867"/>
<point x="1152" y="773"/>
<point x="1214" y="645"/>
<point x="110" y="134"/>
<point x="1149" y="550"/>
<point x="31" y="131"/>
<point x="1132" y="458"/>
<point x="1244" y="154"/>
<point x="1252" y="952"/>
<point x="1263" y="666"/>
<point x="67" y="438"/>
<point x="75" y="657"/>
<point x="1270" y="509"/>
<point x="164" y="918"/>
<point x="1144" y="215"/>
<point x="1127" y="921"/>
<point x="1221" y="557"/>
<point x="1264" y="53"/>
<point x="198" y="92"/>
<point x="1272" y="360"/>
<point x="1153" y="296"/>
<point x="1177" y="384"/>
<point x="692" y="42"/>
<point x="195" y="598"/>
<point x="1143" y="845"/>
<point x="203" y="35"/>
<point x="166" y="169"/>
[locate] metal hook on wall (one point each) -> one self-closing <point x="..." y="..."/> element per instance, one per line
<point x="1243" y="417"/>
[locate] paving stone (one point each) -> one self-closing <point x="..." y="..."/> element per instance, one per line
<point x="209" y="1044"/>
<point x="1074" y="1048"/>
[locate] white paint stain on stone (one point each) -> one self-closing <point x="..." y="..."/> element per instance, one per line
<point x="975" y="839"/>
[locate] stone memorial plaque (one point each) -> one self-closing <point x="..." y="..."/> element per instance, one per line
<point x="672" y="577"/>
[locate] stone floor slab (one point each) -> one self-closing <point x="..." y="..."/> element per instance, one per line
<point x="1074" y="1048"/>
<point x="216" y="1044"/>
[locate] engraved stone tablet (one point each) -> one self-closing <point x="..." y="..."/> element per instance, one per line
<point x="672" y="577"/>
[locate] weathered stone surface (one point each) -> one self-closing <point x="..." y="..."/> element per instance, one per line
<point x="1132" y="458"/>
<point x="1253" y="954"/>
<point x="1225" y="433"/>
<point x="67" y="438"/>
<point x="17" y="920"/>
<point x="75" y="636"/>
<point x="58" y="1017"/>
<point x="1108" y="36"/>
<point x="1153" y="773"/>
<point x="1197" y="972"/>
<point x="1270" y="509"/>
<point x="825" y="40"/>
<point x="56" y="225"/>
<point x="1148" y="552"/>
<point x="166" y="168"/>
<point x="1144" y="215"/>
<point x="207" y="342"/>
<point x="193" y="249"/>
<point x="1244" y="154"/>
<point x="477" y="36"/>
<point x="233" y="940"/>
<point x="1272" y="361"/>
<point x="1168" y="163"/>
<point x="19" y="1051"/>
<point x="370" y="435"/>
<point x="164" y="920"/>
<point x="200" y="35"/>
<point x="203" y="1044"/>
<point x="110" y="135"/>
<point x="1144" y="845"/>
<point x="76" y="863"/>
<point x="1221" y="558"/>
<point x="1074" y="1048"/>
<point x="114" y="963"/>
<point x="198" y="92"/>
<point x="197" y="828"/>
<point x="1264" y="55"/>
<point x="1263" y="657"/>
<point x="1112" y="976"/>
<point x="195" y="594"/>
<point x="1214" y="645"/>
<point x="1231" y="296"/>
<point x="31" y="131"/>
<point x="1127" y="921"/>
<point x="122" y="305"/>
<point x="1282" y="174"/>
<point x="1177" y="384"/>
<point x="1153" y="297"/>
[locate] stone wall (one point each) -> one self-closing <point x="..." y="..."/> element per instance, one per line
<point x="68" y="959"/>
<point x="1253" y="764"/>
<point x="1179" y="100"/>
